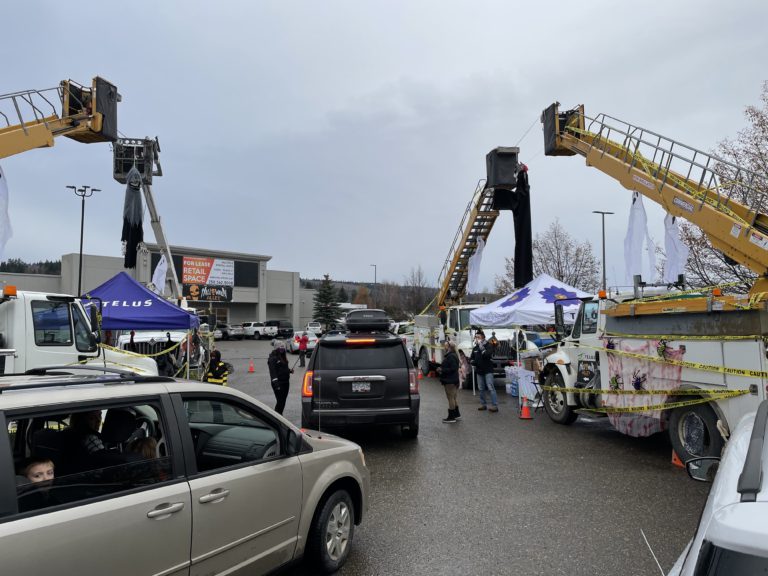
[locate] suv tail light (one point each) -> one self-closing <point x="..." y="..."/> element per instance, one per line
<point x="413" y="381"/>
<point x="306" y="388"/>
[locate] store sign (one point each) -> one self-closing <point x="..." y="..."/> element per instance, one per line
<point x="207" y="279"/>
<point x="206" y="293"/>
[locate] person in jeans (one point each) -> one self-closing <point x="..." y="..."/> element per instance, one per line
<point x="449" y="378"/>
<point x="303" y="341"/>
<point x="481" y="360"/>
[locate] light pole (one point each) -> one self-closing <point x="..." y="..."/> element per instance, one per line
<point x="602" y="216"/>
<point x="374" y="284"/>
<point x="84" y="192"/>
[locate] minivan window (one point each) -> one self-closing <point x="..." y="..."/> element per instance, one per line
<point x="352" y="357"/>
<point x="714" y="560"/>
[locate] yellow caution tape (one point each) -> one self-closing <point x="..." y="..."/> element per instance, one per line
<point x="706" y="396"/>
<point x="673" y="337"/>
<point x="136" y="354"/>
<point x="683" y="363"/>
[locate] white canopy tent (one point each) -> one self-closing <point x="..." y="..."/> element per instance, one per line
<point x="532" y="304"/>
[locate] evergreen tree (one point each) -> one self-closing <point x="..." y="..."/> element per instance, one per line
<point x="327" y="310"/>
<point x="343" y="296"/>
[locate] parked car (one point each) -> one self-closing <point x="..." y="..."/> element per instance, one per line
<point x="230" y="331"/>
<point x="732" y="536"/>
<point x="195" y="476"/>
<point x="405" y="331"/>
<point x="315" y="327"/>
<point x="258" y="330"/>
<point x="362" y="377"/>
<point x="293" y="343"/>
<point x="284" y="328"/>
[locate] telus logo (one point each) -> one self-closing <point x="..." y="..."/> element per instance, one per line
<point x="128" y="304"/>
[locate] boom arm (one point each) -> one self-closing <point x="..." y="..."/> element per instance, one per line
<point x="32" y="121"/>
<point x="721" y="198"/>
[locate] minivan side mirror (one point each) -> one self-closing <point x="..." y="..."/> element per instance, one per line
<point x="703" y="469"/>
<point x="294" y="443"/>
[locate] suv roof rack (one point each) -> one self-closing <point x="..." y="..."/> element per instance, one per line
<point x="751" y="479"/>
<point x="106" y="376"/>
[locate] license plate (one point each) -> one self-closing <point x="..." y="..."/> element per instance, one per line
<point x="361" y="386"/>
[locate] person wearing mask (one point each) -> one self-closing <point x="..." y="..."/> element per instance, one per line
<point x="279" y="374"/>
<point x="449" y="378"/>
<point x="217" y="370"/>
<point x="303" y="342"/>
<point x="481" y="360"/>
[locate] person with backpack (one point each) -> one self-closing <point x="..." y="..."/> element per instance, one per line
<point x="279" y="374"/>
<point x="449" y="378"/>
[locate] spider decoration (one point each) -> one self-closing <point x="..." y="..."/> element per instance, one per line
<point x="616" y="382"/>
<point x="661" y="348"/>
<point x="638" y="380"/>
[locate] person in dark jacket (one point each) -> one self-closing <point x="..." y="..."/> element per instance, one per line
<point x="279" y="374"/>
<point x="217" y="370"/>
<point x="449" y="378"/>
<point x="481" y="360"/>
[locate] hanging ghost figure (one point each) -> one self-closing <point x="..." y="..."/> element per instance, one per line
<point x="133" y="232"/>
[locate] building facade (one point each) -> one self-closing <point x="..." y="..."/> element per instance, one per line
<point x="242" y="286"/>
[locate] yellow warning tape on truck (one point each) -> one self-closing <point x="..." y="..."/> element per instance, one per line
<point x="706" y="396"/>
<point x="130" y="353"/>
<point x="683" y="363"/>
<point x="673" y="337"/>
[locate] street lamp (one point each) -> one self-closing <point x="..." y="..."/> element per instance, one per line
<point x="84" y="192"/>
<point x="374" y="283"/>
<point x="602" y="215"/>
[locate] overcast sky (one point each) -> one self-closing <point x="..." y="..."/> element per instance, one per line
<point x="332" y="135"/>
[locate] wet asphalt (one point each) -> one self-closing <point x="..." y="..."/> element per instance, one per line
<point x="494" y="494"/>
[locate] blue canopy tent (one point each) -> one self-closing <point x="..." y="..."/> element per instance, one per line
<point x="128" y="305"/>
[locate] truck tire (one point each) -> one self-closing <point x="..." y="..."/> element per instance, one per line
<point x="556" y="403"/>
<point x="693" y="431"/>
<point x="424" y="362"/>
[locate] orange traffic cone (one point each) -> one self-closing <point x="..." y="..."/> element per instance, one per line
<point x="525" y="411"/>
<point x="251" y="369"/>
<point x="676" y="460"/>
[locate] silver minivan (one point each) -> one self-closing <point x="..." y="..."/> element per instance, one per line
<point x="126" y="475"/>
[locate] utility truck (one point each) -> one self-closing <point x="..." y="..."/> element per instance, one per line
<point x="452" y="321"/>
<point x="688" y="362"/>
<point x="38" y="330"/>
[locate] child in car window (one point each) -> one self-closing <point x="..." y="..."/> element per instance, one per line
<point x="38" y="470"/>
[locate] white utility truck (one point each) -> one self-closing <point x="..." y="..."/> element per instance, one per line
<point x="38" y="330"/>
<point x="453" y="324"/>
<point x="690" y="362"/>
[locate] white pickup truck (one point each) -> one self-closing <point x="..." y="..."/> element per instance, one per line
<point x="38" y="330"/>
<point x="257" y="330"/>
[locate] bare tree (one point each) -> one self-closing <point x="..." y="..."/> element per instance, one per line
<point x="557" y="253"/>
<point x="417" y="292"/>
<point x="749" y="151"/>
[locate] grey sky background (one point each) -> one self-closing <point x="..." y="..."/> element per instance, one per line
<point x="337" y="134"/>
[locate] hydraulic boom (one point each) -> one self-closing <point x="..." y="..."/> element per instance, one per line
<point x="722" y="199"/>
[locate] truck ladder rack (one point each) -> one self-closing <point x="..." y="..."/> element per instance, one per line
<point x="723" y="199"/>
<point x="477" y="221"/>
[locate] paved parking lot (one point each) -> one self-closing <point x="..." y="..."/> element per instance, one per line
<point x="494" y="494"/>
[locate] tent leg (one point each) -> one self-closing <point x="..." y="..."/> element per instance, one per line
<point x="189" y="356"/>
<point x="473" y="382"/>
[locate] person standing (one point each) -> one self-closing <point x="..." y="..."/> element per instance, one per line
<point x="280" y="375"/>
<point x="303" y="342"/>
<point x="449" y="378"/>
<point x="481" y="360"/>
<point x="217" y="370"/>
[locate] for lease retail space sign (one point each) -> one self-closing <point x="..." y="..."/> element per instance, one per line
<point x="209" y="279"/>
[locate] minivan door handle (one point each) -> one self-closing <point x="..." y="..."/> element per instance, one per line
<point x="164" y="510"/>
<point x="216" y="496"/>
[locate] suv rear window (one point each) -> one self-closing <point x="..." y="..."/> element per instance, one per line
<point x="354" y="357"/>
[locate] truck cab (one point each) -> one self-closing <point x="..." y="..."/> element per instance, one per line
<point x="53" y="330"/>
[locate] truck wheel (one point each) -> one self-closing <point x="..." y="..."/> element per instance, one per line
<point x="693" y="431"/>
<point x="331" y="533"/>
<point x="424" y="362"/>
<point x="556" y="403"/>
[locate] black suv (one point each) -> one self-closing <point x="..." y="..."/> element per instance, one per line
<point x="284" y="327"/>
<point x="361" y="377"/>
